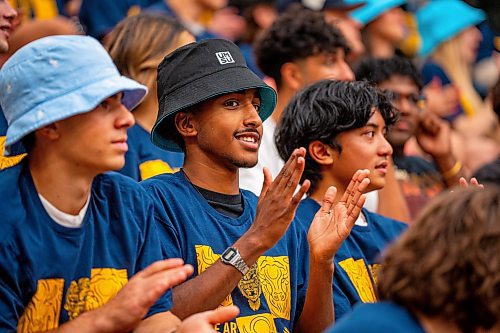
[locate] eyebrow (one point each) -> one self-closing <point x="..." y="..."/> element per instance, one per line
<point x="374" y="125"/>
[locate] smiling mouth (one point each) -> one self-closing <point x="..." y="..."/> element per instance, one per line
<point x="249" y="139"/>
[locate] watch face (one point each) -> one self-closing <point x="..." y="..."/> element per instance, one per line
<point x="229" y="254"/>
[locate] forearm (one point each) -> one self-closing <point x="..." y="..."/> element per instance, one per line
<point x="450" y="169"/>
<point x="211" y="287"/>
<point x="318" y="312"/>
<point x="87" y="322"/>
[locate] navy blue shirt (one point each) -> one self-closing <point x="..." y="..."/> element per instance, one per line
<point x="271" y="295"/>
<point x="384" y="317"/>
<point x="357" y="259"/>
<point x="49" y="273"/>
<point x="144" y="160"/>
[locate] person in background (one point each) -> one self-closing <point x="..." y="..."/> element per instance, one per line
<point x="137" y="47"/>
<point x="443" y="274"/>
<point x="420" y="180"/>
<point x="337" y="12"/>
<point x="384" y="26"/>
<point x="450" y="40"/>
<point x="342" y="125"/>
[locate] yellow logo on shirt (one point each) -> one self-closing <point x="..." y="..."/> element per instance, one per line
<point x="43" y="312"/>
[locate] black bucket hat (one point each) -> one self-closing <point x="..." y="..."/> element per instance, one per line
<point x="200" y="71"/>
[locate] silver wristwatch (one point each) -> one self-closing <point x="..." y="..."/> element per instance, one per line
<point x="232" y="257"/>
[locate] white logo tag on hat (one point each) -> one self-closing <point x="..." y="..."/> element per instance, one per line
<point x="225" y="58"/>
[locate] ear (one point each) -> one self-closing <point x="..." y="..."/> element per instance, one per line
<point x="291" y="75"/>
<point x="322" y="153"/>
<point x="49" y="132"/>
<point x="185" y="124"/>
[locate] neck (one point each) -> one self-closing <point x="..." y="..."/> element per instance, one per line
<point x="323" y="185"/>
<point x="210" y="175"/>
<point x="145" y="113"/>
<point x="381" y="47"/>
<point x="285" y="94"/>
<point x="188" y="11"/>
<point x="59" y="181"/>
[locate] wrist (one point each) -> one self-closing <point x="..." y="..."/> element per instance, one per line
<point x="250" y="247"/>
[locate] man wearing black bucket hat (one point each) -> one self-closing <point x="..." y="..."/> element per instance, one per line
<point x="246" y="251"/>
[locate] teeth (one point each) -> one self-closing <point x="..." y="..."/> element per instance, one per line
<point x="248" y="139"/>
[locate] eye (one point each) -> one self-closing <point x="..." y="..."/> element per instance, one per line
<point x="232" y="103"/>
<point x="370" y="134"/>
<point x="257" y="106"/>
<point x="105" y="105"/>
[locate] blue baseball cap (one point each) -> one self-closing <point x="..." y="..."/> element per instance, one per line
<point x="57" y="77"/>
<point x="441" y="20"/>
<point x="373" y="9"/>
<point x="282" y="5"/>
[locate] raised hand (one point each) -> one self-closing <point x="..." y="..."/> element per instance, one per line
<point x="204" y="322"/>
<point x="434" y="135"/>
<point x="277" y="202"/>
<point x="333" y="222"/>
<point x="473" y="182"/>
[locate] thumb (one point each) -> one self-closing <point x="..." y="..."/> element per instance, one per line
<point x="222" y="314"/>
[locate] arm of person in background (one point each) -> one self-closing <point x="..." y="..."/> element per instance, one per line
<point x="331" y="225"/>
<point x="391" y="200"/>
<point x="275" y="211"/>
<point x="126" y="310"/>
<point x="434" y="137"/>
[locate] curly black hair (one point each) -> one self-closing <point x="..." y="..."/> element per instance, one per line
<point x="446" y="265"/>
<point x="377" y="70"/>
<point x="295" y="35"/>
<point x="322" y="111"/>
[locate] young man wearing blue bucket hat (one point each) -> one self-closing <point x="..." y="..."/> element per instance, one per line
<point x="72" y="235"/>
<point x="246" y="251"/>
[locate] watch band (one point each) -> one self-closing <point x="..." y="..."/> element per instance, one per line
<point x="232" y="257"/>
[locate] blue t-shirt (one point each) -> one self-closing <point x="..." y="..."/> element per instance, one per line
<point x="144" y="160"/>
<point x="17" y="150"/>
<point x="271" y="295"/>
<point x="100" y="16"/>
<point x="357" y="260"/>
<point x="49" y="273"/>
<point x="384" y="317"/>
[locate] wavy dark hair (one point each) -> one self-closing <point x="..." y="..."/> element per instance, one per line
<point x="322" y="111"/>
<point x="296" y="34"/>
<point x="447" y="265"/>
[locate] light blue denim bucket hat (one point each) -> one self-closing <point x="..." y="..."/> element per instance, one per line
<point x="373" y="9"/>
<point x="441" y="20"/>
<point x="57" y="77"/>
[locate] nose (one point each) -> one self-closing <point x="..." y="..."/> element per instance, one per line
<point x="345" y="73"/>
<point x="385" y="148"/>
<point x="125" y="118"/>
<point x="10" y="13"/>
<point x="404" y="106"/>
<point x="252" y="118"/>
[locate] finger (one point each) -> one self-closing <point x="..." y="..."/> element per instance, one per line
<point x="159" y="266"/>
<point x="268" y="180"/>
<point x="354" y="202"/>
<point x="299" y="195"/>
<point x="285" y="170"/>
<point x="463" y="182"/>
<point x="156" y="285"/>
<point x="349" y="188"/>
<point x="222" y="314"/>
<point x="353" y="216"/>
<point x="328" y="200"/>
<point x="354" y="191"/>
<point x="290" y="187"/>
<point x="473" y="181"/>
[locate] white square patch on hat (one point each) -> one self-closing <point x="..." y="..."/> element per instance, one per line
<point x="225" y="58"/>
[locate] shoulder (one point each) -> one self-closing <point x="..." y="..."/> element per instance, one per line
<point x="306" y="210"/>
<point x="115" y="186"/>
<point x="166" y="183"/>
<point x="384" y="223"/>
<point x="378" y="317"/>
